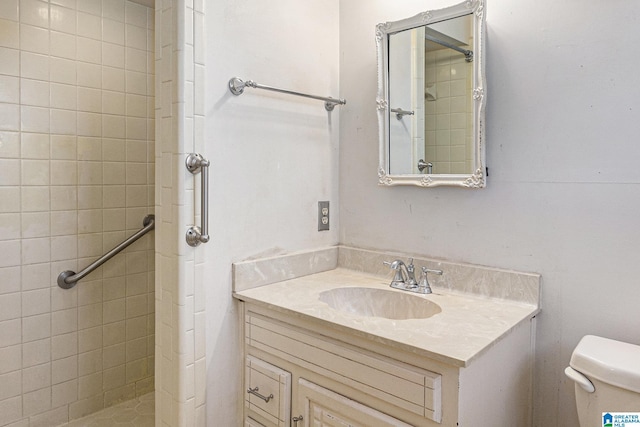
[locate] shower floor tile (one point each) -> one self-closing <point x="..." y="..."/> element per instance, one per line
<point x="138" y="412"/>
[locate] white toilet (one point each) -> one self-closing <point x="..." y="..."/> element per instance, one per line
<point x="607" y="377"/>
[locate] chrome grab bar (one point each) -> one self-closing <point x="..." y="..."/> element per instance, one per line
<point x="236" y="87"/>
<point x="399" y="112"/>
<point x="68" y="279"/>
<point x="195" y="235"/>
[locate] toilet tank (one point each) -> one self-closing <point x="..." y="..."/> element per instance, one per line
<point x="613" y="367"/>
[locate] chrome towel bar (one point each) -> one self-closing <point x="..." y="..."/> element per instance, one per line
<point x="196" y="163"/>
<point x="236" y="86"/>
<point x="68" y="279"/>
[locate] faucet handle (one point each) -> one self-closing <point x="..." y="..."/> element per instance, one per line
<point x="426" y="270"/>
<point x="423" y="285"/>
<point x="396" y="265"/>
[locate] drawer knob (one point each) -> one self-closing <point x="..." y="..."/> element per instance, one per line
<point x="296" y="419"/>
<point x="255" y="390"/>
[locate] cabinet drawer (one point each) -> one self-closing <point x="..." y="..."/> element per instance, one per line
<point x="402" y="385"/>
<point x="268" y="391"/>
<point x="250" y="422"/>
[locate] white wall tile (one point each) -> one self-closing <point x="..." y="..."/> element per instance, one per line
<point x="63" y="96"/>
<point x="89" y="75"/>
<point x="113" y="103"/>
<point x="64" y="248"/>
<point x="89" y="100"/>
<point x="36" y="352"/>
<point x="64" y="345"/>
<point x="64" y="198"/>
<point x="9" y="144"/>
<point x="10" y="89"/>
<point x="64" y="122"/>
<point x="34" y="199"/>
<point x="10" y="171"/>
<point x="11" y="409"/>
<point x="36" y="302"/>
<point x="9" y="10"/>
<point x="9" y="230"/>
<point x="63" y="172"/>
<point x="89" y="339"/>
<point x="89" y="26"/>
<point x="10" y="332"/>
<point x="34" y="92"/>
<point x="63" y="45"/>
<point x="135" y="37"/>
<point x="35" y="276"/>
<point x="89" y="50"/>
<point x="36" y="377"/>
<point x="10" y="358"/>
<point x="135" y="14"/>
<point x="9" y="34"/>
<point x="9" y="116"/>
<point x="89" y="124"/>
<point x="36" y="402"/>
<point x="64" y="393"/>
<point x="37" y="327"/>
<point x="113" y="10"/>
<point x="64" y="369"/>
<point x="63" y="70"/>
<point x="35" y="172"/>
<point x="11" y="385"/>
<point x="36" y="250"/>
<point x="113" y="79"/>
<point x="34" y="12"/>
<point x="11" y="278"/>
<point x="35" y="224"/>
<point x="10" y="306"/>
<point x="34" y="39"/>
<point x="63" y="147"/>
<point x="89" y="221"/>
<point x="63" y="19"/>
<point x="90" y="6"/>
<point x="34" y="119"/>
<point x="11" y="249"/>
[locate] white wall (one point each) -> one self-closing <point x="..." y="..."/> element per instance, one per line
<point x="273" y="156"/>
<point x="563" y="193"/>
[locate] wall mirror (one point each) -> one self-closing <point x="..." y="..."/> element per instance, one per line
<point x="431" y="98"/>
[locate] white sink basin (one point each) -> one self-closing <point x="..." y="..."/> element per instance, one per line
<point x="371" y="302"/>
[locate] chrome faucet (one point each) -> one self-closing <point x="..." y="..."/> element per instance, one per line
<point x="405" y="279"/>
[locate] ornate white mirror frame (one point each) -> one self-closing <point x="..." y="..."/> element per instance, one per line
<point x="477" y="179"/>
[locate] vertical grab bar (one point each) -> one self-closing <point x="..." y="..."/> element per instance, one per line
<point x="195" y="235"/>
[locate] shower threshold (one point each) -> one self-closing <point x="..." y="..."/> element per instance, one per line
<point x="138" y="412"/>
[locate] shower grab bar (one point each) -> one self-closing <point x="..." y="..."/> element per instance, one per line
<point x="195" y="235"/>
<point x="468" y="54"/>
<point x="399" y="112"/>
<point x="236" y="86"/>
<point x="68" y="279"/>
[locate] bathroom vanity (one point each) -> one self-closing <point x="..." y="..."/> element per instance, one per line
<point x="326" y="342"/>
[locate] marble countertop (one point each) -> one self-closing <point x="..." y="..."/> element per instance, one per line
<point x="467" y="325"/>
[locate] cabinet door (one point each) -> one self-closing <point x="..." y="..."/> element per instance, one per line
<point x="324" y="408"/>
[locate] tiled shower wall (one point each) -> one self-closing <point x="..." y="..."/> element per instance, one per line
<point x="450" y="116"/>
<point x="76" y="178"/>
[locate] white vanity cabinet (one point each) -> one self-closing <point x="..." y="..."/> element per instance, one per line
<point x="321" y="376"/>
